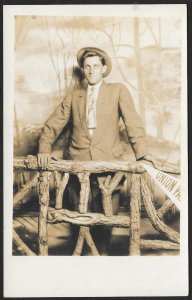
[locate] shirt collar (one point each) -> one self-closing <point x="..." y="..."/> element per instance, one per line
<point x="96" y="86"/>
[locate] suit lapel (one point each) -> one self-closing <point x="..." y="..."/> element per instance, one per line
<point x="101" y="95"/>
<point x="81" y="103"/>
<point x="99" y="110"/>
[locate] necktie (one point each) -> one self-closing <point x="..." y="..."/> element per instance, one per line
<point x="91" y="120"/>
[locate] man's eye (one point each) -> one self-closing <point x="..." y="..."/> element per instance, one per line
<point x="91" y="67"/>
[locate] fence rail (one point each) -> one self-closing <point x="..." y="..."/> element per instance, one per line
<point x="62" y="169"/>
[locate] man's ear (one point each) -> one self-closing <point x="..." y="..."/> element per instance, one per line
<point x="82" y="70"/>
<point x="104" y="69"/>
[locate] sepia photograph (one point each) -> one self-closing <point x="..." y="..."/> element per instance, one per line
<point x="97" y="134"/>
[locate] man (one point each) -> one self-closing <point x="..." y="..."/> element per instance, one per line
<point x="95" y="113"/>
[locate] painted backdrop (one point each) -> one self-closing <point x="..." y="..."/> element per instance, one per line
<point x="146" y="57"/>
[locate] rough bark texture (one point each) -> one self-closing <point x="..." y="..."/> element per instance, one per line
<point x="91" y="243"/>
<point x="60" y="187"/>
<point x="30" y="163"/>
<point x="84" y="234"/>
<point x="84" y="219"/>
<point x="107" y="204"/>
<point x="43" y="189"/>
<point x="22" y="247"/>
<point x="134" y="248"/>
<point x="107" y="189"/>
<point x="164" y="208"/>
<point x="153" y="215"/>
<point x="26" y="189"/>
<point x="158" y="244"/>
<point x="57" y="179"/>
<point x="88" y="219"/>
<point x="84" y="193"/>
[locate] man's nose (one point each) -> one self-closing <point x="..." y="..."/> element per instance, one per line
<point x="91" y="70"/>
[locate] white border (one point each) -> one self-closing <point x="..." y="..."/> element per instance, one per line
<point x="90" y="276"/>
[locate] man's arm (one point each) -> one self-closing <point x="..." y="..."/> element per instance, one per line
<point x="135" y="129"/>
<point x="134" y="126"/>
<point x="51" y="130"/>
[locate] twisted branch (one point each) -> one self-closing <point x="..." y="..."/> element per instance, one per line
<point x="88" y="219"/>
<point x="164" y="208"/>
<point x="106" y="191"/>
<point x="153" y="215"/>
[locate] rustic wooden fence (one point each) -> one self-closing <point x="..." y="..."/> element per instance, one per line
<point x="139" y="191"/>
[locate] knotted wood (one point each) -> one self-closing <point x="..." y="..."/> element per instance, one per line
<point x="88" y="219"/>
<point x="60" y="188"/>
<point x="43" y="190"/>
<point x="84" y="193"/>
<point x="84" y="219"/>
<point x="70" y="166"/>
<point x="84" y="235"/>
<point x="134" y="248"/>
<point x="153" y="214"/>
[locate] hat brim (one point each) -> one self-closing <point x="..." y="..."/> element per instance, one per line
<point x="100" y="52"/>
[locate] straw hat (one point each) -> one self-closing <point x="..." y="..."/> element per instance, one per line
<point x="100" y="52"/>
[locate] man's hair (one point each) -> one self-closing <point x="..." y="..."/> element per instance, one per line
<point x="91" y="54"/>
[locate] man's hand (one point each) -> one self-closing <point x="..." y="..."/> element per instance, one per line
<point x="157" y="162"/>
<point x="43" y="160"/>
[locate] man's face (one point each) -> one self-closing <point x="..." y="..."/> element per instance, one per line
<point x="93" y="69"/>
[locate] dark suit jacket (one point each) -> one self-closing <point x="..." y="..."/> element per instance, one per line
<point x="114" y="101"/>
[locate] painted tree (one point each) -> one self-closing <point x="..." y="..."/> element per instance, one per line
<point x="21" y="29"/>
<point x="139" y="68"/>
<point x="162" y="77"/>
<point x="22" y="26"/>
<point x="59" y="38"/>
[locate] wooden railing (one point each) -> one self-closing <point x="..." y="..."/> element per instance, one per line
<point x="139" y="191"/>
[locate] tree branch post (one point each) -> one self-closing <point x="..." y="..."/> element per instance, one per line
<point x="60" y="188"/>
<point x="134" y="248"/>
<point x="84" y="193"/>
<point x="43" y="190"/>
<point x="84" y="234"/>
<point x="106" y="191"/>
